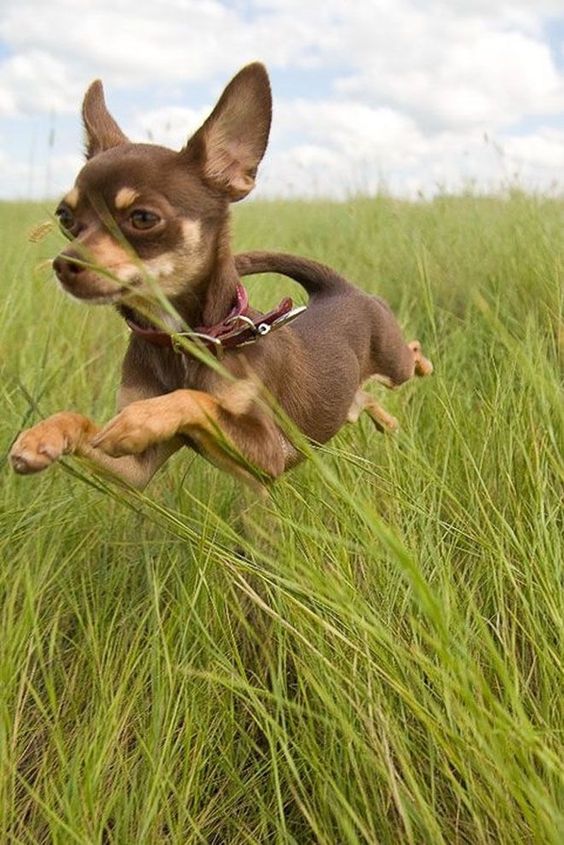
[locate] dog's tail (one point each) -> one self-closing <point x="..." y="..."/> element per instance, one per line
<point x="316" y="278"/>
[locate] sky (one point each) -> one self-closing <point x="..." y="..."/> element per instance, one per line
<point x="404" y="96"/>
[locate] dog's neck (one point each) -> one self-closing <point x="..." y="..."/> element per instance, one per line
<point x="216" y="292"/>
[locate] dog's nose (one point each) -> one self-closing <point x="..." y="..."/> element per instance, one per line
<point x="67" y="266"/>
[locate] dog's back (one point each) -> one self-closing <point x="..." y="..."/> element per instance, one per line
<point x="343" y="317"/>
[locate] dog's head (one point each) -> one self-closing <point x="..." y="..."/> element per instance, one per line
<point x="141" y="214"/>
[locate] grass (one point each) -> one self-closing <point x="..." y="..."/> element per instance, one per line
<point x="374" y="654"/>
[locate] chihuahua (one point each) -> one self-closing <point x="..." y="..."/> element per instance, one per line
<point x="149" y="232"/>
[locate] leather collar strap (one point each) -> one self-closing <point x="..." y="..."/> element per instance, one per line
<point x="237" y="329"/>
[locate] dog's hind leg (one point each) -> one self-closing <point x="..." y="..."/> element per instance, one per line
<point x="365" y="402"/>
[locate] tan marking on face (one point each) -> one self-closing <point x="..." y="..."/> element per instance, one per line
<point x="125" y="197"/>
<point x="160" y="267"/>
<point x="126" y="272"/>
<point x="173" y="271"/>
<point x="106" y="252"/>
<point x="71" y="199"/>
<point x="160" y="272"/>
<point x="192" y="231"/>
<point x="176" y="270"/>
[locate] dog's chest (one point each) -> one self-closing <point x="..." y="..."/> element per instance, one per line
<point x="175" y="371"/>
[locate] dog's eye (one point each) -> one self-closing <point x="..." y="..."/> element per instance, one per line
<point x="142" y="219"/>
<point x="65" y="217"/>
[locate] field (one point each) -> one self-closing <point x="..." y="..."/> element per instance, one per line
<point x="371" y="655"/>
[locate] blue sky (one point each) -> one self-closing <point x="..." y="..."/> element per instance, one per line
<point x="393" y="92"/>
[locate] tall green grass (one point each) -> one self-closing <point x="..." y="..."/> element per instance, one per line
<point x="374" y="654"/>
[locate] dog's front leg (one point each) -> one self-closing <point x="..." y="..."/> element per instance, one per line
<point x="214" y="422"/>
<point x="69" y="433"/>
<point x="156" y="420"/>
<point x="38" y="447"/>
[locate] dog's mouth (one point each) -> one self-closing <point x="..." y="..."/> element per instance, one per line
<point x="97" y="289"/>
<point x="94" y="298"/>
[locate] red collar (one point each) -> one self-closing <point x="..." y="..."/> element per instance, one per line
<point x="237" y="329"/>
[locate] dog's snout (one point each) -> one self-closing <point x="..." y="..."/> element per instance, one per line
<point x="67" y="265"/>
<point x="78" y="276"/>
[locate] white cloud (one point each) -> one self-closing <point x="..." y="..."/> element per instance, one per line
<point x="349" y="126"/>
<point x="451" y="70"/>
<point x="34" y="81"/>
<point x="170" y="126"/>
<point x="132" y="44"/>
<point x="409" y="87"/>
<point x="543" y="150"/>
<point x="148" y="42"/>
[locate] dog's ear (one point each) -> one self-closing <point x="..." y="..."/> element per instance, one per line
<point x="231" y="143"/>
<point x="102" y="132"/>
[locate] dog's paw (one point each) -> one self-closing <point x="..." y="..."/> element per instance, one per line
<point x="34" y="451"/>
<point x="423" y="367"/>
<point x="37" y="448"/>
<point x="138" y="426"/>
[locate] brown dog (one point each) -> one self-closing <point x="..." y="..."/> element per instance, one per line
<point x="149" y="227"/>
